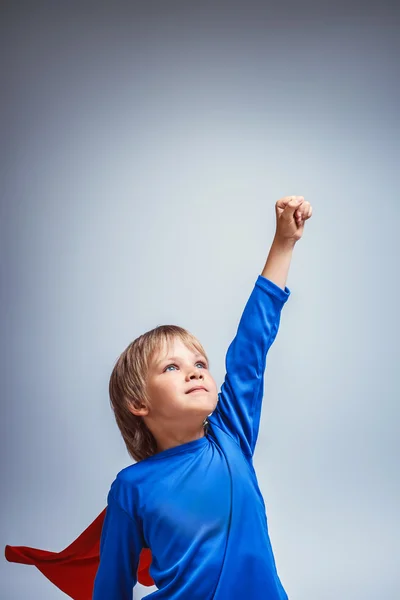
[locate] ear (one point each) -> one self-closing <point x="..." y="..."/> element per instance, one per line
<point x="139" y="412"/>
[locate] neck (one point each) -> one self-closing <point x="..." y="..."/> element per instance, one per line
<point x="165" y="442"/>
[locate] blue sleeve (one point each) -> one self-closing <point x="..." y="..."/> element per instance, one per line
<point x="239" y="402"/>
<point x="120" y="546"/>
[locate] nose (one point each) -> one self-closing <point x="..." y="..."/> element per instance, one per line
<point x="195" y="375"/>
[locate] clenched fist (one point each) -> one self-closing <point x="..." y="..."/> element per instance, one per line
<point x="291" y="214"/>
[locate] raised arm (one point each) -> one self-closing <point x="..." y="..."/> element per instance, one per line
<point x="239" y="404"/>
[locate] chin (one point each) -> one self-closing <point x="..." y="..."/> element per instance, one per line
<point x="205" y="403"/>
<point x="203" y="409"/>
<point x="209" y="408"/>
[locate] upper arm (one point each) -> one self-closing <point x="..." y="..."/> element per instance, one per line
<point x="239" y="403"/>
<point x="120" y="546"/>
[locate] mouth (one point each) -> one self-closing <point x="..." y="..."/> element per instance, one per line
<point x="197" y="389"/>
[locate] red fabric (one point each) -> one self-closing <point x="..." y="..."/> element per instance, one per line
<point x="73" y="570"/>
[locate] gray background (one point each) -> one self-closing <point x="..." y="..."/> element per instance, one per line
<point x="144" y="145"/>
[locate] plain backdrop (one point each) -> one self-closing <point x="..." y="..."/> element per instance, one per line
<point x="144" y="145"/>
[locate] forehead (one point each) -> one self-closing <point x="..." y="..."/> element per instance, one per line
<point x="174" y="347"/>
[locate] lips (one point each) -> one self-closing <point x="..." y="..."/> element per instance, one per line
<point x="197" y="387"/>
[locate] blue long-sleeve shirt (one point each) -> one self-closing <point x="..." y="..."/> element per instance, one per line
<point x="198" y="506"/>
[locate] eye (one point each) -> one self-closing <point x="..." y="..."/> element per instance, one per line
<point x="202" y="364"/>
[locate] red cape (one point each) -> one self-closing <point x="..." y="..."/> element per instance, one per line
<point x="74" y="569"/>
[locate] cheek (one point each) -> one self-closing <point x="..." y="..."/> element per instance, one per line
<point x="213" y="383"/>
<point x="170" y="390"/>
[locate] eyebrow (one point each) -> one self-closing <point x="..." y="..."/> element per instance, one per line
<point x="176" y="359"/>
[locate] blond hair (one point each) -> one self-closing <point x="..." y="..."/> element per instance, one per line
<point x="127" y="385"/>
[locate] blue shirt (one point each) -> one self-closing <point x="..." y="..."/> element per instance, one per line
<point x="198" y="506"/>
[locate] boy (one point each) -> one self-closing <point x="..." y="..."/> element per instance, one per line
<point x="193" y="498"/>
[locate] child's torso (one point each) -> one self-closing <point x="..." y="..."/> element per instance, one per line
<point x="203" y="517"/>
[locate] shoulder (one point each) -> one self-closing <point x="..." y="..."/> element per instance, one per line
<point x="124" y="488"/>
<point x="128" y="474"/>
<point x="131" y="485"/>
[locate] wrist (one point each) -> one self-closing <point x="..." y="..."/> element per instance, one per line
<point x="283" y="244"/>
<point x="278" y="262"/>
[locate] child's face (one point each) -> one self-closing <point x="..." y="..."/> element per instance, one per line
<point x="173" y="372"/>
